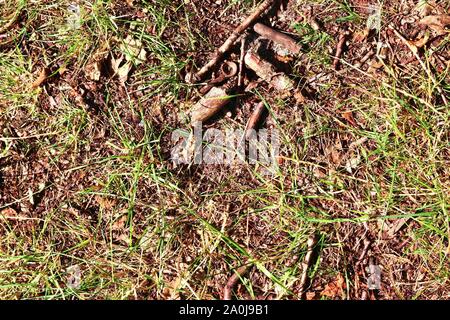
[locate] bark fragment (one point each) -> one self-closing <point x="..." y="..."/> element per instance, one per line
<point x="255" y="118"/>
<point x="209" y="104"/>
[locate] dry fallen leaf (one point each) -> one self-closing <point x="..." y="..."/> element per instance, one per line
<point x="439" y="23"/>
<point x="93" y="71"/>
<point x="133" y="50"/>
<point x="105" y="203"/>
<point x="336" y="156"/>
<point x="360" y="36"/>
<point x="41" y="78"/>
<point x="171" y="289"/>
<point x="311" y="295"/>
<point x="352" y="163"/>
<point x="420" y="42"/>
<point x="348" y="115"/>
<point x="120" y="223"/>
<point x="424" y="7"/>
<point x="334" y="288"/>
<point x="121" y="71"/>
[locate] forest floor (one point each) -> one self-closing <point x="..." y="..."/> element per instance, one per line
<point x="93" y="207"/>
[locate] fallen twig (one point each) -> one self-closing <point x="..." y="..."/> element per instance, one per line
<point x="241" y="63"/>
<point x="267" y="72"/>
<point x="232" y="39"/>
<point x="364" y="59"/>
<point x="233" y="280"/>
<point x="339" y="50"/>
<point x="312" y="240"/>
<point x="43" y="75"/>
<point x="277" y="37"/>
<point x="254" y="119"/>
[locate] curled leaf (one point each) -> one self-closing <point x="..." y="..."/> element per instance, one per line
<point x="41" y="78"/>
<point x="439" y="23"/>
<point x="420" y="42"/>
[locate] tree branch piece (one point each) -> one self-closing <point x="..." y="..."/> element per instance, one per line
<point x="233" y="38"/>
<point x="312" y="240"/>
<point x="266" y="71"/>
<point x="233" y="280"/>
<point x="254" y="119"/>
<point x="277" y="37"/>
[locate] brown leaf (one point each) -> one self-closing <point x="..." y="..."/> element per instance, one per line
<point x="420" y="42"/>
<point x="348" y="115"/>
<point x="336" y="156"/>
<point x="8" y="213"/>
<point x="93" y="71"/>
<point x="120" y="223"/>
<point x="41" y="78"/>
<point x="105" y="203"/>
<point x="334" y="288"/>
<point x="439" y="23"/>
<point x="424" y="7"/>
<point x="121" y="71"/>
<point x="360" y="36"/>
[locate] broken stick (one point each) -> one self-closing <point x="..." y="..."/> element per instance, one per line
<point x="339" y="50"/>
<point x="306" y="263"/>
<point x="232" y="281"/>
<point x="266" y="71"/>
<point x="232" y="39"/>
<point x="241" y="63"/>
<point x="277" y="37"/>
<point x="254" y="119"/>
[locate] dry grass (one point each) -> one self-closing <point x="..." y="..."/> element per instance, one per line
<point x="86" y="177"/>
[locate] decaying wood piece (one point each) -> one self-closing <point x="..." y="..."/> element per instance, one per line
<point x="277" y="37"/>
<point x="254" y="119"/>
<point x="266" y="71"/>
<point x="312" y="240"/>
<point x="232" y="39"/>
<point x="233" y="280"/>
<point x="209" y="104"/>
